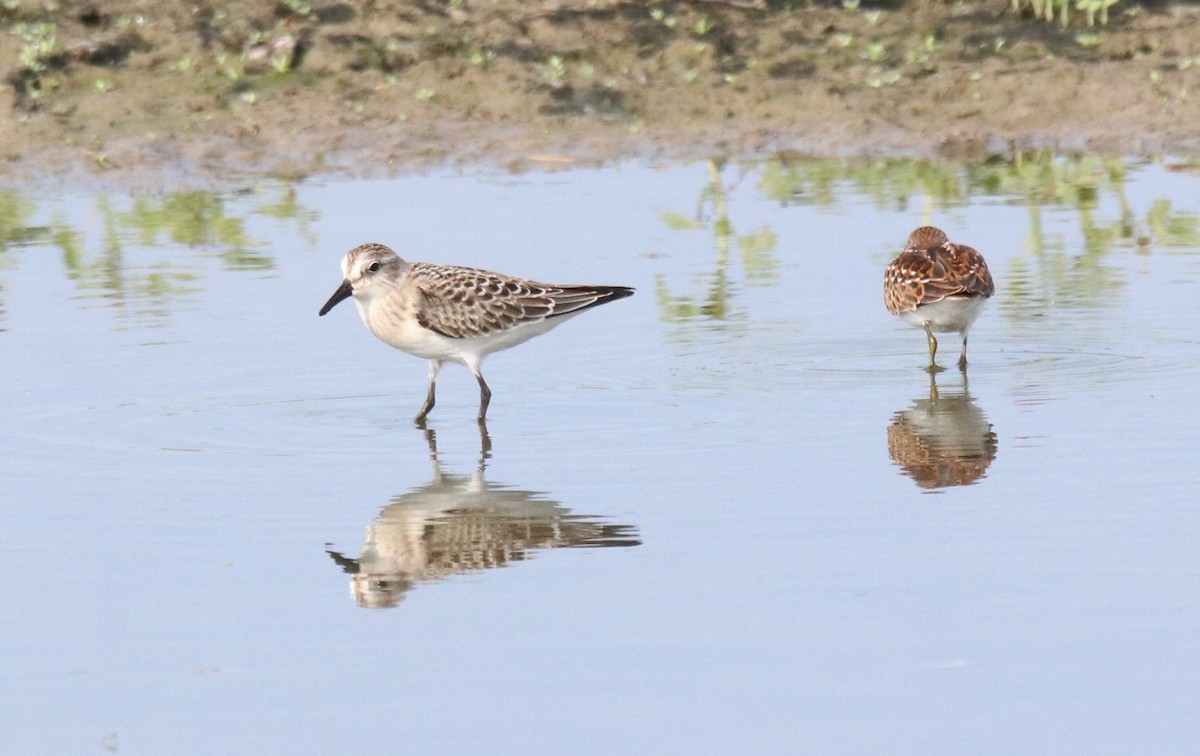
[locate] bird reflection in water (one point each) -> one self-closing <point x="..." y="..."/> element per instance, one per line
<point x="944" y="440"/>
<point x="460" y="524"/>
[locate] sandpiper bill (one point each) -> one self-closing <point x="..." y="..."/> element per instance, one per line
<point x="939" y="286"/>
<point x="445" y="313"/>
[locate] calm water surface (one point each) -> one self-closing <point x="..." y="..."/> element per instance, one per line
<point x="729" y="515"/>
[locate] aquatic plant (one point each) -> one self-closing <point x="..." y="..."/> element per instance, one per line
<point x="39" y="46"/>
<point x="1041" y="181"/>
<point x="15" y="212"/>
<point x="130" y="259"/>
<point x="1045" y="9"/>
<point x="1092" y="7"/>
<point x="755" y="253"/>
<point x="40" y="41"/>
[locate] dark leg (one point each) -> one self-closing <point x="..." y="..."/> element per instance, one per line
<point x="485" y="444"/>
<point x="962" y="359"/>
<point x="434" y="367"/>
<point x="485" y="393"/>
<point x="431" y="439"/>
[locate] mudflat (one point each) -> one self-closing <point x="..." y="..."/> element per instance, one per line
<point x="218" y="89"/>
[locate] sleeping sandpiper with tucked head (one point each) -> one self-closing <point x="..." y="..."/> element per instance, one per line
<point x="445" y="313"/>
<point x="938" y="286"/>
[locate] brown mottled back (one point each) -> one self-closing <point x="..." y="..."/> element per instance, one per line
<point x="932" y="268"/>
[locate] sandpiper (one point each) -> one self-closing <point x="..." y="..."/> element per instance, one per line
<point x="445" y="313"/>
<point x="938" y="286"/>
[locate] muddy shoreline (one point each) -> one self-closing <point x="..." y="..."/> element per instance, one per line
<point x="217" y="92"/>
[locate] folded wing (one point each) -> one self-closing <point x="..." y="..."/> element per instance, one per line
<point x="463" y="302"/>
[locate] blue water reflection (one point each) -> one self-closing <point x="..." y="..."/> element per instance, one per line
<point x="189" y="456"/>
<point x="944" y="439"/>
<point x="461" y="524"/>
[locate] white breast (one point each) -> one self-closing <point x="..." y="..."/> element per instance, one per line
<point x="393" y="320"/>
<point x="952" y="314"/>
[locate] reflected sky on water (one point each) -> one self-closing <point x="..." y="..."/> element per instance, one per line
<point x="816" y="547"/>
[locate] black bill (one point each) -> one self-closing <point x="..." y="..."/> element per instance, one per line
<point x="343" y="292"/>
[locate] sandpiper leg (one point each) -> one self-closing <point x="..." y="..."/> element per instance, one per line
<point x="431" y="441"/>
<point x="962" y="359"/>
<point x="485" y="444"/>
<point x="434" y="367"/>
<point x="932" y="348"/>
<point x="485" y="393"/>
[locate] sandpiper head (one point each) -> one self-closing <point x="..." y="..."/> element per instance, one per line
<point x="365" y="267"/>
<point x="926" y="237"/>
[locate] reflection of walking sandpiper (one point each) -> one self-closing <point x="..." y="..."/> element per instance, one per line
<point x="944" y="440"/>
<point x="458" y="524"/>
<point x="446" y="313"/>
<point x="938" y="286"/>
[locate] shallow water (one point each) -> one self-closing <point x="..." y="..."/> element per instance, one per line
<point x="730" y="514"/>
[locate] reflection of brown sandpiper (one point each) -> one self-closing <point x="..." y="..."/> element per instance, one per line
<point x="447" y="313"/>
<point x="942" y="441"/>
<point x="459" y="524"/>
<point x="938" y="286"/>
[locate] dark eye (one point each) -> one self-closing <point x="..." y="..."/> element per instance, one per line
<point x="373" y="267"/>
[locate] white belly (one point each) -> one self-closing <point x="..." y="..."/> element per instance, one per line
<point x="953" y="314"/>
<point x="398" y="327"/>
